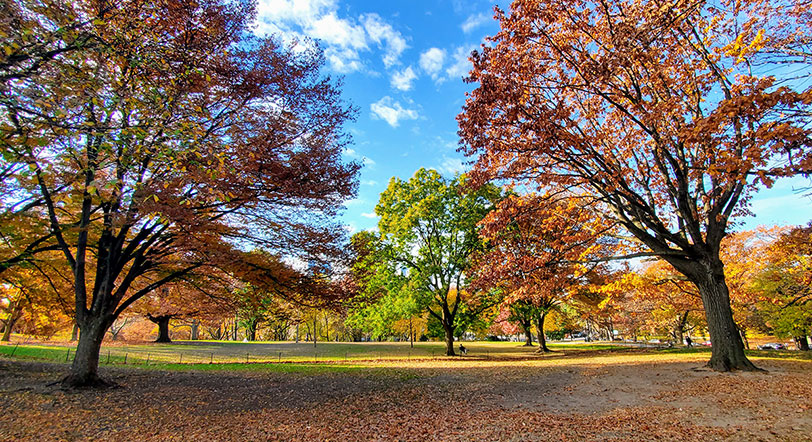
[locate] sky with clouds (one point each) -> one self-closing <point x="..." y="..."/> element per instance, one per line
<point x="402" y="63"/>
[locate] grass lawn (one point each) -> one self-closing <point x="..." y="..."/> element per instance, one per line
<point x="221" y="352"/>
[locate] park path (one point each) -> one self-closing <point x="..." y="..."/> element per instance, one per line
<point x="570" y="401"/>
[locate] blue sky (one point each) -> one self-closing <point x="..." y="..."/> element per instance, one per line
<point x="402" y="63"/>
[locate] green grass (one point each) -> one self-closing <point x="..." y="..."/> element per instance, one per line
<point x="220" y="352"/>
<point x="326" y="357"/>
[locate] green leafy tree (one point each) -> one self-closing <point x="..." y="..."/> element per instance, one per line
<point x="383" y="295"/>
<point x="429" y="224"/>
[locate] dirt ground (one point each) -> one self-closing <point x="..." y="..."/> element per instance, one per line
<point x="573" y="401"/>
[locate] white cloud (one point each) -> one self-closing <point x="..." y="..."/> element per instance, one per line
<point x="369" y="183"/>
<point x="337" y="32"/>
<point x="402" y="80"/>
<point x="451" y="166"/>
<point x="300" y="11"/>
<point x="343" y="60"/>
<point x="431" y="61"/>
<point x="460" y="65"/>
<point x="343" y="39"/>
<point x="474" y="21"/>
<point x="369" y="215"/>
<point x="391" y="111"/>
<point x="384" y="35"/>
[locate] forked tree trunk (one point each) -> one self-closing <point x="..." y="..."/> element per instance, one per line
<point x="84" y="369"/>
<point x="540" y="317"/>
<point x="727" y="349"/>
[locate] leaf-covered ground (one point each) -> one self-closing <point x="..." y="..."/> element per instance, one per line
<point x="626" y="396"/>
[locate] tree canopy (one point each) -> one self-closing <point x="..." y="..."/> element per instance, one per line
<point x="430" y="223"/>
<point x="156" y="138"/>
<point x="666" y="115"/>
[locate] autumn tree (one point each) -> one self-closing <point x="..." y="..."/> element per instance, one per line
<point x="667" y="114"/>
<point x="174" y="136"/>
<point x="36" y="295"/>
<point x="522" y="312"/>
<point x="662" y="297"/>
<point x="746" y="255"/>
<point x="785" y="285"/>
<point x="534" y="245"/>
<point x="185" y="298"/>
<point x="430" y="224"/>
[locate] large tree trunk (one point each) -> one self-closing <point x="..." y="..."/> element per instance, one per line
<point x="449" y="338"/>
<point x="15" y="312"/>
<point x="163" y="327"/>
<point x="727" y="350"/>
<point x="194" y="333"/>
<point x="540" y="317"/>
<point x="802" y="343"/>
<point x="7" y="331"/>
<point x="528" y="335"/>
<point x="84" y="370"/>
<point x="679" y="330"/>
<point x="251" y="330"/>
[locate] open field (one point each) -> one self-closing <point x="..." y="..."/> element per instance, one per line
<point x="577" y="393"/>
<point x="206" y="352"/>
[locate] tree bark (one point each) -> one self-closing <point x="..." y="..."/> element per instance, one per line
<point x="84" y="369"/>
<point x="251" y="330"/>
<point x="528" y="335"/>
<point x="15" y="312"/>
<point x="679" y="330"/>
<point x="194" y="333"/>
<point x="727" y="349"/>
<point x="449" y="338"/>
<point x="802" y="343"/>
<point x="540" y="317"/>
<point x="7" y="331"/>
<point x="411" y="334"/>
<point x="74" y="334"/>
<point x="163" y="327"/>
